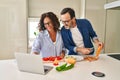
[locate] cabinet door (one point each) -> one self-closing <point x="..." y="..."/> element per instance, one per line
<point x="112" y="41"/>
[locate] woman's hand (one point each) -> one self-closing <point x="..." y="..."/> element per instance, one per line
<point x="62" y="54"/>
<point x="36" y="53"/>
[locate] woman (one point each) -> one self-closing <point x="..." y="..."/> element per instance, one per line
<point x="49" y="41"/>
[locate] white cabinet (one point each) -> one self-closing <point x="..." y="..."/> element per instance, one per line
<point x="112" y="39"/>
<point x="112" y="5"/>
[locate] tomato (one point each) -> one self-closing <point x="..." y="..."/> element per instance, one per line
<point x="51" y="58"/>
<point x="58" y="58"/>
<point x="45" y="59"/>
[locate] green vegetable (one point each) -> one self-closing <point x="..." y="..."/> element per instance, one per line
<point x="61" y="67"/>
<point x="64" y="67"/>
<point x="68" y="67"/>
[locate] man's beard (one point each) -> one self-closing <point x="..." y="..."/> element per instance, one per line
<point x="67" y="27"/>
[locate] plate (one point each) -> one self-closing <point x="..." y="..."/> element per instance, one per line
<point x="77" y="57"/>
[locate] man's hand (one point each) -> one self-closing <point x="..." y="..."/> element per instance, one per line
<point x="83" y="50"/>
<point x="100" y="44"/>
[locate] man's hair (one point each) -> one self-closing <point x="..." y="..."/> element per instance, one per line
<point x="68" y="10"/>
<point x="53" y="19"/>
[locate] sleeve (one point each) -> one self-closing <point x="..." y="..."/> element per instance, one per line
<point x="92" y="33"/>
<point x="36" y="47"/>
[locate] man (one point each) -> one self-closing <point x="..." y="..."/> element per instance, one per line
<point x="77" y="34"/>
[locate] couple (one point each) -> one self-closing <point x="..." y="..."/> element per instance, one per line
<point x="75" y="35"/>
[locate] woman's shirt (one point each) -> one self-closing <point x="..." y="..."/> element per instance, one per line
<point x="46" y="47"/>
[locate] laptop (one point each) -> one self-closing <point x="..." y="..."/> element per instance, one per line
<point x="31" y="63"/>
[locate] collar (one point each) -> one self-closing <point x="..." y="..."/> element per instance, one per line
<point x="46" y="33"/>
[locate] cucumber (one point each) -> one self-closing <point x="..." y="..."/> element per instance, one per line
<point x="64" y="67"/>
<point x="60" y="68"/>
<point x="68" y="67"/>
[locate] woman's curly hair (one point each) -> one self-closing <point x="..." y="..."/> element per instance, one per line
<point x="52" y="17"/>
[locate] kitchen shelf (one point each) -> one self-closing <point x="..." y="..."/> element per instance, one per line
<point x="112" y="5"/>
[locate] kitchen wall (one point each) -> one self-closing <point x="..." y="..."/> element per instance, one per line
<point x="37" y="7"/>
<point x="13" y="27"/>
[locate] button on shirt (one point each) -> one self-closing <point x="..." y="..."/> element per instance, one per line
<point x="46" y="47"/>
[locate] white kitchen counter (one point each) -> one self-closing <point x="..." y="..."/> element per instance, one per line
<point x="81" y="71"/>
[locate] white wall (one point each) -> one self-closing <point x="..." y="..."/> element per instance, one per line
<point x="37" y="7"/>
<point x="13" y="27"/>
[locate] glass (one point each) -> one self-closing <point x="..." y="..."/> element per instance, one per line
<point x="65" y="22"/>
<point x="48" y="23"/>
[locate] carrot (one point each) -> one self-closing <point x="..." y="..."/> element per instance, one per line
<point x="98" y="51"/>
<point x="93" y="58"/>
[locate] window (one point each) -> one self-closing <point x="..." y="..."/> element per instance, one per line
<point x="32" y="29"/>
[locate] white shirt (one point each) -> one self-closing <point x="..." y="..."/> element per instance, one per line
<point x="77" y="37"/>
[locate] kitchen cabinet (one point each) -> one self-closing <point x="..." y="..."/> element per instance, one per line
<point x="112" y="39"/>
<point x="112" y="5"/>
